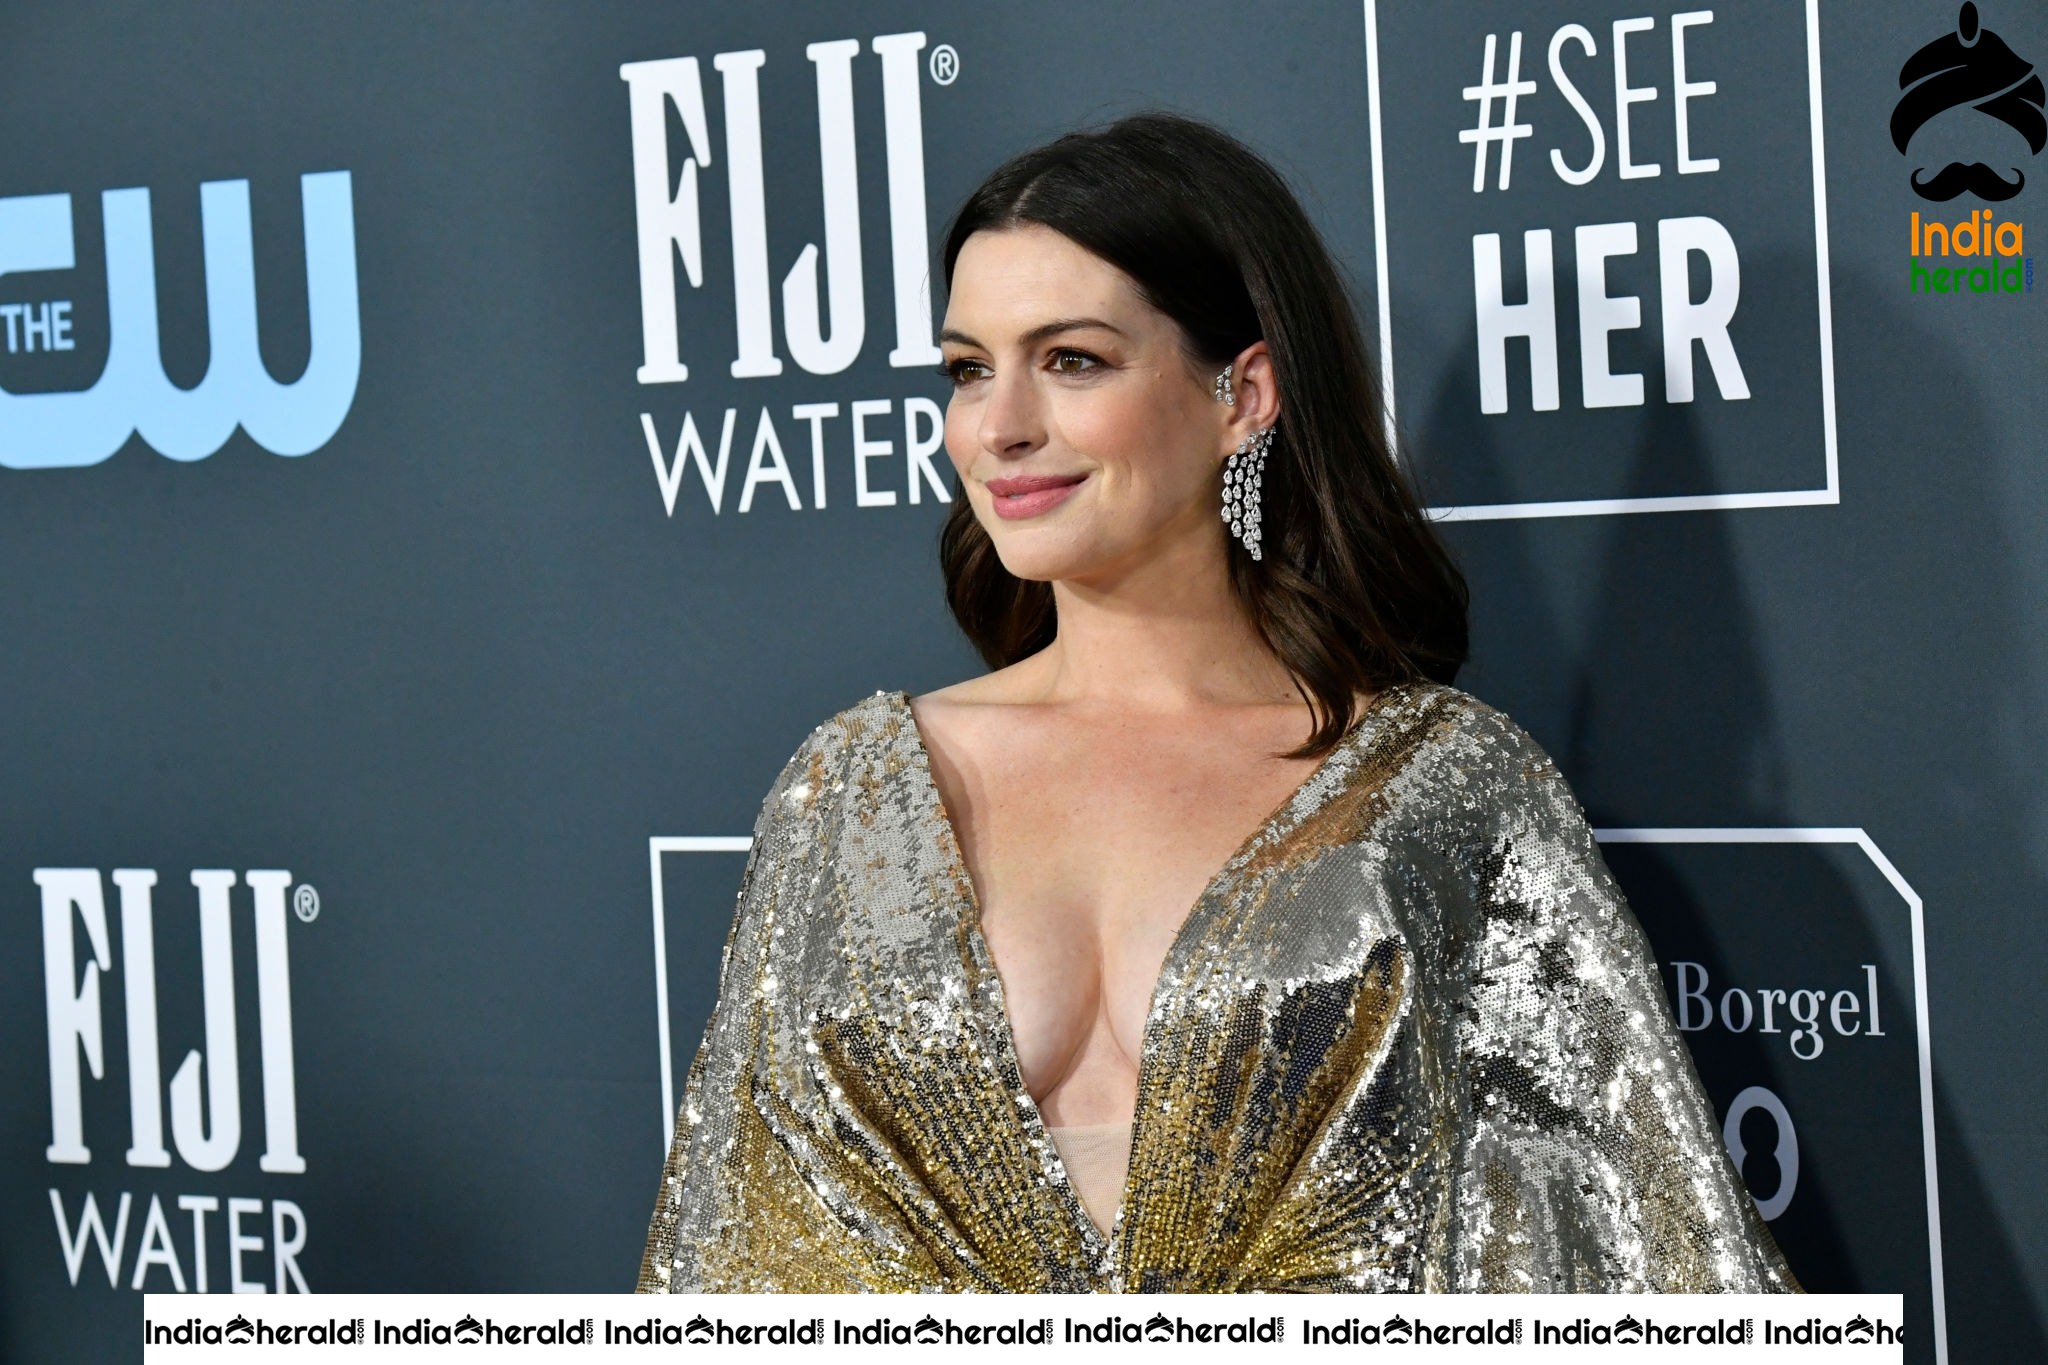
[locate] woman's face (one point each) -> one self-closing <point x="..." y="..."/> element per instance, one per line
<point x="1061" y="372"/>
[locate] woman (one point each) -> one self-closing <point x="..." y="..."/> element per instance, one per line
<point x="990" y="1015"/>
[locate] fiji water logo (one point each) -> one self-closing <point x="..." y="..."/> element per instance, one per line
<point x="818" y="305"/>
<point x="133" y="396"/>
<point x="824" y="325"/>
<point x="181" y="1229"/>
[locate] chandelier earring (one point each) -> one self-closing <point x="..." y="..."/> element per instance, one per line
<point x="1242" y="475"/>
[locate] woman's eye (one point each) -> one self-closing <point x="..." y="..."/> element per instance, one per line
<point x="953" y="370"/>
<point x="964" y="371"/>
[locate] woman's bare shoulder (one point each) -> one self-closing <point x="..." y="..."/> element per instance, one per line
<point x="1004" y="687"/>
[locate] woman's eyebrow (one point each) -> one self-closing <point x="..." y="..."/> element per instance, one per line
<point x="1040" y="332"/>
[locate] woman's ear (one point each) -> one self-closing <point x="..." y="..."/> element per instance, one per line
<point x="1257" y="388"/>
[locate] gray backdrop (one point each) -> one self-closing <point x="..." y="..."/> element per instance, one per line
<point x="360" y="728"/>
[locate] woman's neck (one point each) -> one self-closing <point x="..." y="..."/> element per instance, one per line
<point x="1177" y="652"/>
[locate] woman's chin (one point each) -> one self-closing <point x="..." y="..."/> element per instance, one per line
<point x="1041" y="563"/>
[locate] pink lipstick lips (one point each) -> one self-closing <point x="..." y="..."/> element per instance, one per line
<point x="1028" y="495"/>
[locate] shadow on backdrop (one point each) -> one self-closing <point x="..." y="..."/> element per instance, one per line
<point x="1660" y="710"/>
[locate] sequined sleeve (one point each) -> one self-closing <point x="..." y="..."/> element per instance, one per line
<point x="703" y="1181"/>
<point x="1589" y="1158"/>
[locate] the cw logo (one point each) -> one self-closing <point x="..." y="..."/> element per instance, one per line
<point x="133" y="395"/>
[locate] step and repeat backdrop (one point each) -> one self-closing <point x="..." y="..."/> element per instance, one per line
<point x="451" y="455"/>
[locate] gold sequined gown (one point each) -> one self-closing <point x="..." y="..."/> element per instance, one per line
<point x="1410" y="1037"/>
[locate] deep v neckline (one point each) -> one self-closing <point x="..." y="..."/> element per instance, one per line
<point x="1190" y="927"/>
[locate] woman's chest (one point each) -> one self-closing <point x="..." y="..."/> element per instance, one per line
<point x="1084" y="877"/>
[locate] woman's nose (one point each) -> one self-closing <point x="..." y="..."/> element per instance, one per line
<point x="1011" y="416"/>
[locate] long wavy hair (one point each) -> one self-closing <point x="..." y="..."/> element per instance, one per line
<point x="1355" y="592"/>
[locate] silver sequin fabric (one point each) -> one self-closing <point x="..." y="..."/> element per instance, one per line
<point x="1411" y="1037"/>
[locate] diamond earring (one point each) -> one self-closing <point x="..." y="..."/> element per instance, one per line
<point x="1242" y="475"/>
<point x="1223" y="389"/>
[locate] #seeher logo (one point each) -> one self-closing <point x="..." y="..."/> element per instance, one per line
<point x="1972" y="66"/>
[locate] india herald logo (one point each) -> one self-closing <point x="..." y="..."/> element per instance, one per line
<point x="133" y="396"/>
<point x="1971" y="66"/>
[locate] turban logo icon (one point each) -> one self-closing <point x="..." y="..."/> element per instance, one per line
<point x="1971" y="66"/>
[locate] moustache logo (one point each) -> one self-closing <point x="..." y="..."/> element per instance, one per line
<point x="1972" y="67"/>
<point x="1973" y="177"/>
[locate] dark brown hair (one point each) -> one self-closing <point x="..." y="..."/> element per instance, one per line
<point x="1355" y="592"/>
